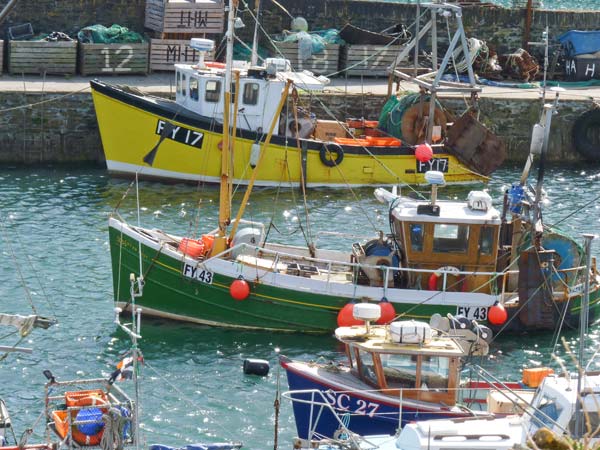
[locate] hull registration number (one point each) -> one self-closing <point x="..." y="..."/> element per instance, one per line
<point x="179" y="134"/>
<point x="472" y="312"/>
<point x="197" y="274"/>
<point x="439" y="164"/>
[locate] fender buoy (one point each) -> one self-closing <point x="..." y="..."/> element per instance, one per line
<point x="413" y="124"/>
<point x="239" y="289"/>
<point x="432" y="283"/>
<point x="497" y="314"/>
<point x="388" y="313"/>
<point x="331" y="154"/>
<point x="345" y="317"/>
<point x="258" y="367"/>
<point x="586" y="127"/>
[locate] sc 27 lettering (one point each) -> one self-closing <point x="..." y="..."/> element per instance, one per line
<point x="343" y="402"/>
<point x="197" y="274"/>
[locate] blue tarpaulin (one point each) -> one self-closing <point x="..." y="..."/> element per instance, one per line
<point x="580" y="42"/>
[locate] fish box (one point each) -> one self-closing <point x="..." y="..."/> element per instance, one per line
<point x="369" y="60"/>
<point x="324" y="63"/>
<point x="183" y="16"/>
<point x="328" y="130"/>
<point x="39" y="57"/>
<point x="113" y="59"/>
<point x="165" y="53"/>
<point x="506" y="402"/>
<point x="583" y="67"/>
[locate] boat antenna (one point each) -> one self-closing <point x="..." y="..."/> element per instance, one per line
<point x="545" y="42"/>
<point x="254" y="54"/>
<point x="139" y="224"/>
<point x="583" y="326"/>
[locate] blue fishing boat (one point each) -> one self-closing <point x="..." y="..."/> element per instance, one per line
<point x="395" y="374"/>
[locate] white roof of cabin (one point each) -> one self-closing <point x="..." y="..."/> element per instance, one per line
<point x="450" y="212"/>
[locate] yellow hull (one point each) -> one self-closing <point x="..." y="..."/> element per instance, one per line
<point x="130" y="127"/>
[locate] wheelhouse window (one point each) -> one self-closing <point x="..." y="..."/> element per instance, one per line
<point x="486" y="240"/>
<point x="366" y="367"/>
<point x="178" y="83"/>
<point x="450" y="238"/>
<point x="183" y="85"/>
<point x="194" y="89"/>
<point x="250" y="96"/>
<point x="399" y="371"/>
<point x="213" y="91"/>
<point x="546" y="413"/>
<point x="435" y="373"/>
<point x="416" y="236"/>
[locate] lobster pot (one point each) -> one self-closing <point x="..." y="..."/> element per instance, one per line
<point x="323" y="63"/>
<point x="410" y="332"/>
<point x="369" y="60"/>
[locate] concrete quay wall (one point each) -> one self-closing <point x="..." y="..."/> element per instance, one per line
<point x="62" y="128"/>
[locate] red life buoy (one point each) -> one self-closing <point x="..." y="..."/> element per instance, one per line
<point x="83" y="399"/>
<point x="214" y="65"/>
<point x="435" y="276"/>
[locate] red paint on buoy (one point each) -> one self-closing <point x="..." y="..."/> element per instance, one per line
<point x="423" y="152"/>
<point x="239" y="290"/>
<point x="388" y="313"/>
<point x="497" y="314"/>
<point x="346" y="318"/>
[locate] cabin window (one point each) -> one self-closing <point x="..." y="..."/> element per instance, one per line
<point x="548" y="408"/>
<point x="435" y="373"/>
<point x="213" y="91"/>
<point x="486" y="241"/>
<point x="416" y="237"/>
<point x="250" y="94"/>
<point x="450" y="238"/>
<point x="178" y="83"/>
<point x="194" y="91"/>
<point x="367" y="367"/>
<point x="183" y="85"/>
<point x="399" y="371"/>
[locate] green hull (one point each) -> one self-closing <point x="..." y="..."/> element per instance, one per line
<point x="167" y="293"/>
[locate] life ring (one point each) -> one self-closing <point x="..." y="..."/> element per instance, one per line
<point x="432" y="283"/>
<point x="328" y="151"/>
<point x="91" y="406"/>
<point x="413" y="126"/>
<point x="582" y="135"/>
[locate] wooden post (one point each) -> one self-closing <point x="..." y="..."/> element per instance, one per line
<point x="528" y="17"/>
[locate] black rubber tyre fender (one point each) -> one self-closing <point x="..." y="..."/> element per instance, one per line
<point x="585" y="127"/>
<point x="331" y="154"/>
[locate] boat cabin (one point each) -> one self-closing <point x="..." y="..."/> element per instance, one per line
<point x="450" y="236"/>
<point x="427" y="370"/>
<point x="200" y="88"/>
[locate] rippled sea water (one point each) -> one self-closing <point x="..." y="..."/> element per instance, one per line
<point x="55" y="242"/>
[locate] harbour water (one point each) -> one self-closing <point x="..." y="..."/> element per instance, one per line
<point x="55" y="241"/>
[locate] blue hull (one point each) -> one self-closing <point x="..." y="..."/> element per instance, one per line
<point x="361" y="412"/>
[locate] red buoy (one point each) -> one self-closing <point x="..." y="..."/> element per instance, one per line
<point x="497" y="314"/>
<point x="423" y="152"/>
<point x="346" y="318"/>
<point x="388" y="313"/>
<point x="239" y="289"/>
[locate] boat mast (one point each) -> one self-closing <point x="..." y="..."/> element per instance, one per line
<point x="225" y="187"/>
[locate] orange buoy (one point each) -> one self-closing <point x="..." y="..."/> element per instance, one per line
<point x="208" y="240"/>
<point x="497" y="314"/>
<point x="192" y="247"/>
<point x="388" y="313"/>
<point x="346" y="318"/>
<point x="239" y="289"/>
<point x="423" y="152"/>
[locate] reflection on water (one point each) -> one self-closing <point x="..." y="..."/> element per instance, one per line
<point x="54" y="225"/>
